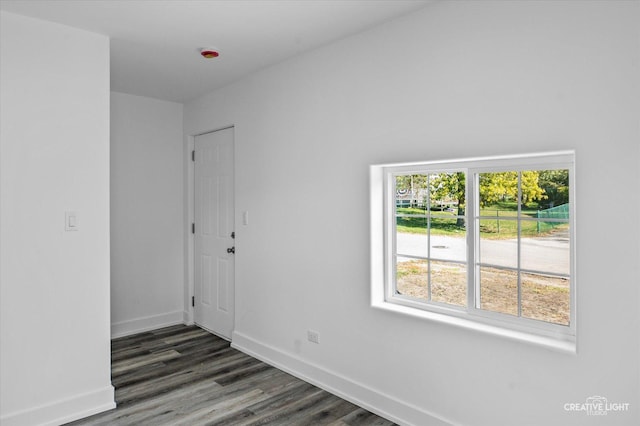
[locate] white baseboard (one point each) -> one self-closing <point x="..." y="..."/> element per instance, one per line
<point x="138" y="325"/>
<point x="370" y="399"/>
<point x="64" y="411"/>
<point x="187" y="318"/>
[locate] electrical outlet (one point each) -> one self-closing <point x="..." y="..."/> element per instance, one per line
<point x="313" y="336"/>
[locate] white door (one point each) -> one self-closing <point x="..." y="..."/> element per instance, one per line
<point x="214" y="227"/>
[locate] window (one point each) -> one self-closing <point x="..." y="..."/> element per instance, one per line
<point x="485" y="240"/>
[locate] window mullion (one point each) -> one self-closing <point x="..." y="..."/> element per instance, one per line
<point x="428" y="214"/>
<point x="519" y="245"/>
<point x="471" y="184"/>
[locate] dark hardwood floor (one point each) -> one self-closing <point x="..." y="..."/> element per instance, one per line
<point x="183" y="375"/>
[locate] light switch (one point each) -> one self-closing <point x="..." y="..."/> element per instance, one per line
<point x="245" y="217"/>
<point x="70" y="221"/>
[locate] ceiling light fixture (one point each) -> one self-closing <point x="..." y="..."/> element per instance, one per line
<point x="209" y="53"/>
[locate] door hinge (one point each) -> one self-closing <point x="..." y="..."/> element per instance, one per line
<point x="193" y="301"/>
<point x="193" y="155"/>
<point x="193" y="228"/>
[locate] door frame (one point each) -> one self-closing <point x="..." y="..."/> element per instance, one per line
<point x="189" y="215"/>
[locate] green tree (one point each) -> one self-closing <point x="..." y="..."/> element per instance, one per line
<point x="556" y="185"/>
<point x="530" y="187"/>
<point x="443" y="186"/>
<point x="495" y="187"/>
<point x="502" y="186"/>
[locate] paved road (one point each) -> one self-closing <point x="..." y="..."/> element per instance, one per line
<point x="546" y="254"/>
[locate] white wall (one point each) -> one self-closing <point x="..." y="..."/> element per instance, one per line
<point x="147" y="264"/>
<point x="456" y="79"/>
<point x="55" y="349"/>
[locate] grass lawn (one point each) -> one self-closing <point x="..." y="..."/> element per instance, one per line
<point x="501" y="224"/>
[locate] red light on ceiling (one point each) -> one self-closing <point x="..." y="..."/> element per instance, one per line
<point x="209" y="53"/>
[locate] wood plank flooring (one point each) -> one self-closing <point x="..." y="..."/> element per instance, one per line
<point x="183" y="375"/>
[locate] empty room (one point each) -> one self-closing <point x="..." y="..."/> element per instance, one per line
<point x="319" y="212"/>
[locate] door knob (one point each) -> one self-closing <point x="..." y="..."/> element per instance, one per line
<point x="231" y="250"/>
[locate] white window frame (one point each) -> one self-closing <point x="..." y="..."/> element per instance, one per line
<point x="383" y="249"/>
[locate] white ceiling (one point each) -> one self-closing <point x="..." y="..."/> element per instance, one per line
<point x="155" y="44"/>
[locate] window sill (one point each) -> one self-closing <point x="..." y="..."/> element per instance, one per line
<point x="557" y="344"/>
